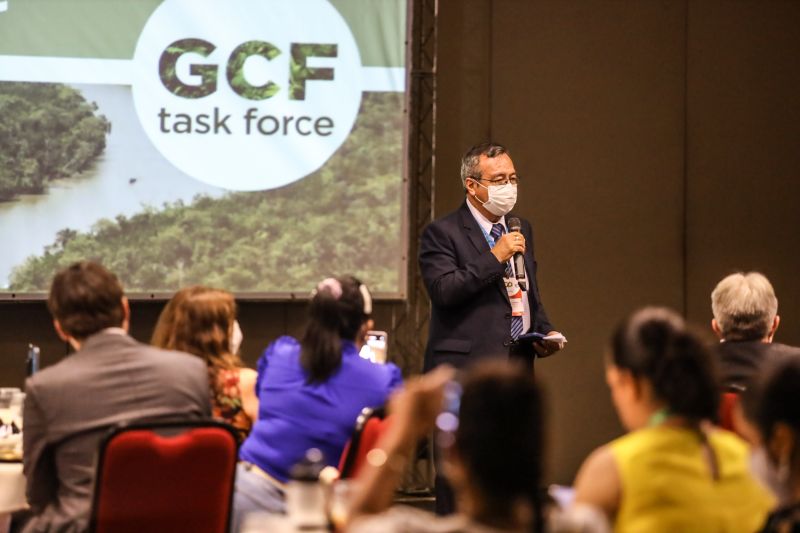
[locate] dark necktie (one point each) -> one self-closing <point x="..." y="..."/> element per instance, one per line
<point x="516" y="321"/>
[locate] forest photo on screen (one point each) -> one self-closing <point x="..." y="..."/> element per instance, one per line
<point x="257" y="149"/>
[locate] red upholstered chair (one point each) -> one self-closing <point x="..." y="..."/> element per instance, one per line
<point x="165" y="477"/>
<point x="371" y="423"/>
<point x="726" y="407"/>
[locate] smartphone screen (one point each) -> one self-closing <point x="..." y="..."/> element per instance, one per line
<point x="447" y="421"/>
<point x="376" y="347"/>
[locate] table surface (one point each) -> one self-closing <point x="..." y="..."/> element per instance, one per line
<point x="12" y="487"/>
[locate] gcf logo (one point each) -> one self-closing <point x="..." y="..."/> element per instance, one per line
<point x="247" y="94"/>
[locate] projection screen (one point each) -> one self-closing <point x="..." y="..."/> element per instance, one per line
<point x="251" y="145"/>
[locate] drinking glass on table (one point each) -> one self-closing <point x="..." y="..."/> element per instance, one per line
<point x="11" y="400"/>
<point x="15" y="408"/>
<point x="340" y="502"/>
<point x="6" y="394"/>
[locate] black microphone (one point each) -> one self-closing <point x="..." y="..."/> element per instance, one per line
<point x="519" y="262"/>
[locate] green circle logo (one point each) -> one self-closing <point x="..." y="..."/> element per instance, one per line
<point x="247" y="94"/>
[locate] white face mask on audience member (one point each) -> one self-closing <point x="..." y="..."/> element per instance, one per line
<point x="762" y="469"/>
<point x="236" y="338"/>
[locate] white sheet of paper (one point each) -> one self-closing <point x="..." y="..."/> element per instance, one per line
<point x="556" y="338"/>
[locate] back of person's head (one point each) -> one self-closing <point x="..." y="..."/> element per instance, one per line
<point x="773" y="400"/>
<point x="199" y="320"/>
<point x="85" y="298"/>
<point x="471" y="161"/>
<point x="500" y="435"/>
<point x="655" y="344"/>
<point x="338" y="310"/>
<point x="744" y="306"/>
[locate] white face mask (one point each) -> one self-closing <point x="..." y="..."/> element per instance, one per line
<point x="769" y="475"/>
<point x="236" y="337"/>
<point x="502" y="198"/>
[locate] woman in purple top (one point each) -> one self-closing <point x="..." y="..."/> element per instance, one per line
<point x="310" y="394"/>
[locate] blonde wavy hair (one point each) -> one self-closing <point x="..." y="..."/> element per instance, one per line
<point x="199" y="320"/>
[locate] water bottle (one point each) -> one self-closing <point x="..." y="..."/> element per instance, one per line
<point x="32" y="361"/>
<point x="306" y="502"/>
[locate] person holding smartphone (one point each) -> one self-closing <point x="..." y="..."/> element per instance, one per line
<point x="490" y="424"/>
<point x="310" y="393"/>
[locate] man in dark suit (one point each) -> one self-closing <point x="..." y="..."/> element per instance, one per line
<point x="745" y="320"/>
<point x="478" y="310"/>
<point x="110" y="379"/>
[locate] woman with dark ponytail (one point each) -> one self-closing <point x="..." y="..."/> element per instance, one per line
<point x="672" y="471"/>
<point x="310" y="393"/>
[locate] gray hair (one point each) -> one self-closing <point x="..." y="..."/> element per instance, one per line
<point x="470" y="161"/>
<point x="744" y="306"/>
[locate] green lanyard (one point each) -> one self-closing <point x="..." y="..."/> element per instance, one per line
<point x="658" y="418"/>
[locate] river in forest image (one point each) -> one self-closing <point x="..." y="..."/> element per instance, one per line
<point x="129" y="176"/>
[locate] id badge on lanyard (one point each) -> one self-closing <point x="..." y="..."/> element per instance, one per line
<point x="514" y="296"/>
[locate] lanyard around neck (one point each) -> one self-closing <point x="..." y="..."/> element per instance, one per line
<point x="488" y="237"/>
<point x="658" y="418"/>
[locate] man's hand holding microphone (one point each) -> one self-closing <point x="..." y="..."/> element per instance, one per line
<point x="507" y="245"/>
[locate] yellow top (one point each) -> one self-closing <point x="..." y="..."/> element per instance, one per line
<point x="667" y="485"/>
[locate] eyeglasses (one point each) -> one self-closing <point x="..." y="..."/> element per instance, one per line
<point x="502" y="180"/>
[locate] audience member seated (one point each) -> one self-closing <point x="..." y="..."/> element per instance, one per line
<point x="773" y="405"/>
<point x="492" y="456"/>
<point x="310" y="394"/>
<point x="110" y="379"/>
<point x="745" y="320"/>
<point x="202" y="321"/>
<point x="673" y="471"/>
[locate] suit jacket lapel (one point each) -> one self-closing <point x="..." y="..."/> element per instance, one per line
<point x="475" y="235"/>
<point x="473" y="230"/>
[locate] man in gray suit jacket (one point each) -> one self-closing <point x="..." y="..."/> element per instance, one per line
<point x="110" y="379"/>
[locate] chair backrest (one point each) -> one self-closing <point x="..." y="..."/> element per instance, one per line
<point x="371" y="423"/>
<point x="165" y="477"/>
<point x="726" y="407"/>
